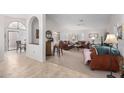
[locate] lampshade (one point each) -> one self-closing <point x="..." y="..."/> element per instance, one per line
<point x="93" y="38"/>
<point x="111" y="39"/>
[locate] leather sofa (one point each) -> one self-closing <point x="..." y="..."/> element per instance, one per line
<point x="66" y="45"/>
<point x="83" y="44"/>
<point x="103" y="62"/>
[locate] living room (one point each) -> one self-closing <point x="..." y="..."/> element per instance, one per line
<point x="76" y="30"/>
<point x="78" y="33"/>
<point x="66" y="46"/>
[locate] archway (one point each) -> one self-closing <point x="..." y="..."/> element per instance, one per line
<point x="16" y="31"/>
<point x="34" y="30"/>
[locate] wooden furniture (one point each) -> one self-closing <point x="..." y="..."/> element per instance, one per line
<point x="122" y="67"/>
<point x="66" y="45"/>
<point x="20" y="46"/>
<point x="23" y="46"/>
<point x="102" y="62"/>
<point x="48" y="48"/>
<point x="58" y="48"/>
<point x="77" y="46"/>
<point x="83" y="44"/>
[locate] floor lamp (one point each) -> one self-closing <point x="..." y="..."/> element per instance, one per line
<point x="111" y="39"/>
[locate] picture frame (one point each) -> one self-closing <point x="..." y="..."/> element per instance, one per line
<point x="37" y="33"/>
<point x="96" y="35"/>
<point x="119" y="32"/>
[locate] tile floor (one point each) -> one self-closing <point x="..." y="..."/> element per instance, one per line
<point x="70" y="65"/>
<point x="19" y="66"/>
<point x="74" y="60"/>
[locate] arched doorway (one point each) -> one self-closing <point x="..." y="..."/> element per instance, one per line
<point x="15" y="31"/>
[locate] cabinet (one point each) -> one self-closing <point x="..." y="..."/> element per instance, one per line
<point x="48" y="48"/>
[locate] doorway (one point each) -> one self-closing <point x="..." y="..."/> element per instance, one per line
<point x="12" y="38"/>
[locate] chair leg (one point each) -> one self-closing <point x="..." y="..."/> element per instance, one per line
<point x="25" y="49"/>
<point x="58" y="52"/>
<point x="62" y="51"/>
<point x="53" y="50"/>
<point x="20" y="49"/>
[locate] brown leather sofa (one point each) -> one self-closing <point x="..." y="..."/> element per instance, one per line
<point x="66" y="45"/>
<point x="83" y="44"/>
<point x="103" y="62"/>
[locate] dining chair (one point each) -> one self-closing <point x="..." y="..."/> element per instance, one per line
<point x="18" y="45"/>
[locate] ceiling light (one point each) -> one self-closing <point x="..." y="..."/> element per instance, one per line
<point x="81" y="20"/>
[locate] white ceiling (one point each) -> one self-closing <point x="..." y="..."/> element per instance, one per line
<point x="20" y="16"/>
<point x="72" y="21"/>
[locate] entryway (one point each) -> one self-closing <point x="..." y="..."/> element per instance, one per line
<point x="16" y="31"/>
<point x="12" y="38"/>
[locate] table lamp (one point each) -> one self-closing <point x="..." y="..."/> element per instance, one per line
<point x="111" y="39"/>
<point x="93" y="39"/>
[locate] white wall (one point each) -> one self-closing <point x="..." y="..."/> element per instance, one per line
<point x="37" y="52"/>
<point x="53" y="27"/>
<point x="117" y="20"/>
<point x="1" y="37"/>
<point x="82" y="34"/>
<point x="50" y="25"/>
<point x="66" y="34"/>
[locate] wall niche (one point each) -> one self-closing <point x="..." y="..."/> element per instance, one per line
<point x="34" y="30"/>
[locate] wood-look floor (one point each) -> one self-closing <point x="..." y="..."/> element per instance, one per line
<point x="17" y="65"/>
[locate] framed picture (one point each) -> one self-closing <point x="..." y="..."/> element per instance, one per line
<point x="37" y="33"/>
<point x="93" y="35"/>
<point x="119" y="32"/>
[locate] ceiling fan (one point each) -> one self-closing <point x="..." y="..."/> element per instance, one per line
<point x="81" y="22"/>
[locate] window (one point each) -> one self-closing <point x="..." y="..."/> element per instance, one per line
<point x="17" y="26"/>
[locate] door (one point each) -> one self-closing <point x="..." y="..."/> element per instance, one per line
<point x="12" y="38"/>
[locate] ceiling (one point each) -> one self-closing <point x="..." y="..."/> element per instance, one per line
<point x="80" y="21"/>
<point x="20" y="16"/>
